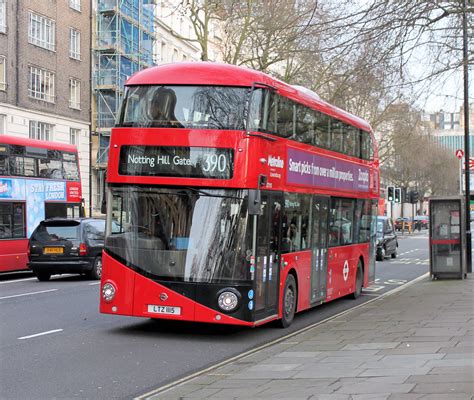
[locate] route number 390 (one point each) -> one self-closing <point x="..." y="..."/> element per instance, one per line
<point x="215" y="162"/>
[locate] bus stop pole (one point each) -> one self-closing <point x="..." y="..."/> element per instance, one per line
<point x="466" y="142"/>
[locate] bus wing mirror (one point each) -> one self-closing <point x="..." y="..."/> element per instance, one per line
<point x="255" y="202"/>
<point x="103" y="204"/>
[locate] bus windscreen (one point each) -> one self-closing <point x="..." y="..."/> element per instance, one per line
<point x="203" y="107"/>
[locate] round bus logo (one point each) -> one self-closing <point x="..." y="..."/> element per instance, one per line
<point x="345" y="270"/>
<point x="163" y="296"/>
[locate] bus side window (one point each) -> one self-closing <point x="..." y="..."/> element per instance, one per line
<point x="337" y="136"/>
<point x="295" y="222"/>
<point x="351" y="141"/>
<point x="322" y="130"/>
<point x="285" y="123"/>
<point x="271" y="110"/>
<point x="365" y="145"/>
<point x="4" y="166"/>
<point x="304" y="124"/>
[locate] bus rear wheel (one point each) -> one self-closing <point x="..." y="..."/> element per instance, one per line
<point x="290" y="294"/>
<point x="358" y="282"/>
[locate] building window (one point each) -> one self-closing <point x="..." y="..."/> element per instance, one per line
<point x="3" y="124"/>
<point x="75" y="94"/>
<point x="41" y="31"/>
<point x="175" y="55"/>
<point x="3" y="74"/>
<point x="163" y="52"/>
<point x="41" y="130"/>
<point x="74" y="44"/>
<point x="41" y="84"/>
<point x="75" y="4"/>
<point x="74" y="135"/>
<point x="3" y="16"/>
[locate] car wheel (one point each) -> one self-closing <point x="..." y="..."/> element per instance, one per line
<point x="96" y="271"/>
<point x="395" y="252"/>
<point x="290" y="294"/>
<point x="380" y="254"/>
<point x="43" y="276"/>
<point x="358" y="281"/>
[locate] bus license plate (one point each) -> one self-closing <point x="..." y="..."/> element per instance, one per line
<point x="53" y="250"/>
<point x="164" y="310"/>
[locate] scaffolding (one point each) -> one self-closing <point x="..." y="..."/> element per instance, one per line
<point x="124" y="43"/>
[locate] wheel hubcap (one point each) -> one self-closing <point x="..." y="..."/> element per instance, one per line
<point x="289" y="301"/>
<point x="99" y="267"/>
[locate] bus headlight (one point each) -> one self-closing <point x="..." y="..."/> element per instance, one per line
<point x="108" y="292"/>
<point x="228" y="299"/>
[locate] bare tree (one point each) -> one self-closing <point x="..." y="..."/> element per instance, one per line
<point x="414" y="159"/>
<point x="264" y="33"/>
<point x="201" y="13"/>
<point x="426" y="33"/>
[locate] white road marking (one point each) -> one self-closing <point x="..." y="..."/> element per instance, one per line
<point x="373" y="288"/>
<point x="28" y="294"/>
<point x="94" y="283"/>
<point x="34" y="279"/>
<point x="18" y="280"/>
<point x="40" y="334"/>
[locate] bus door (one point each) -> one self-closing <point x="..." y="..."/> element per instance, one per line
<point x="319" y="263"/>
<point x="267" y="255"/>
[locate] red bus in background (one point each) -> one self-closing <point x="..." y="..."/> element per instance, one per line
<point x="240" y="199"/>
<point x="38" y="180"/>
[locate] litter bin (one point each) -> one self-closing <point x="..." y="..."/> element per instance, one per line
<point x="447" y="237"/>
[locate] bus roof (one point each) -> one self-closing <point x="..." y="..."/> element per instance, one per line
<point x="220" y="74"/>
<point x="20" y="141"/>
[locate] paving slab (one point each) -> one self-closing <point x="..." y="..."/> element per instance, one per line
<point x="415" y="344"/>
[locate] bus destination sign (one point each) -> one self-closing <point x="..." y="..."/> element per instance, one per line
<point x="185" y="162"/>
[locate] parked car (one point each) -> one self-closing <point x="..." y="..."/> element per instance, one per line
<point x="403" y="223"/>
<point x="421" y="222"/>
<point x="387" y="243"/>
<point x="60" y="245"/>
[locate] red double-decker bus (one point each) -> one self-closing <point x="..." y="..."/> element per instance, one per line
<point x="239" y="199"/>
<point x="38" y="180"/>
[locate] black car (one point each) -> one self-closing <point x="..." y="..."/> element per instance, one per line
<point x="60" y="245"/>
<point x="387" y="243"/>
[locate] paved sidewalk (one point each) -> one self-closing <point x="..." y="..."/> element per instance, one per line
<point x="417" y="343"/>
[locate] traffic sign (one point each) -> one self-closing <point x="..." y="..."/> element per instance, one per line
<point x="459" y="153"/>
<point x="471" y="162"/>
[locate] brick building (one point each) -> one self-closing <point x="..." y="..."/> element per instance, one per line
<point x="45" y="73"/>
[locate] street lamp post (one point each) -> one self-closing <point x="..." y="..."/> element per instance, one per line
<point x="466" y="139"/>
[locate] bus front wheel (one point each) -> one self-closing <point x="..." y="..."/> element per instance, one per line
<point x="290" y="294"/>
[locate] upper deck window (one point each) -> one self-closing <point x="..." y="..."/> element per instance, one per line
<point x="273" y="113"/>
<point x="38" y="162"/>
<point x="204" y="107"/>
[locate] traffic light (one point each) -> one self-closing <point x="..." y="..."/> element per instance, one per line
<point x="398" y="195"/>
<point x="390" y="193"/>
<point x="415" y="197"/>
<point x="406" y="195"/>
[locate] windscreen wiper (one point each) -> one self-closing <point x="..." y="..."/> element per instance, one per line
<point x="204" y="193"/>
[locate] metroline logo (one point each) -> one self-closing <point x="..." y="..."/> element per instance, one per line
<point x="276" y="162"/>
